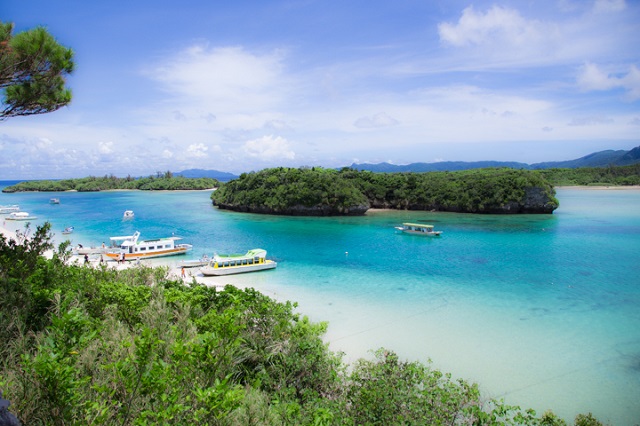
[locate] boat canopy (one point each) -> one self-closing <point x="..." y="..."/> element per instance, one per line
<point x="418" y="225"/>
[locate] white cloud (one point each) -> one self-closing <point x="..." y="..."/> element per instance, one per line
<point x="269" y="148"/>
<point x="105" y="147"/>
<point x="167" y="154"/>
<point x="198" y="150"/>
<point x="604" y="6"/>
<point x="380" y="119"/>
<point x="592" y="77"/>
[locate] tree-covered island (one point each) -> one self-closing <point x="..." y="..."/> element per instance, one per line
<point x="161" y="181"/>
<point x="325" y="192"/>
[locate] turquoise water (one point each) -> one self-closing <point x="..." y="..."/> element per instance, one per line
<point x="542" y="311"/>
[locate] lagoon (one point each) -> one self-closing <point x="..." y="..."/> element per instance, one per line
<point x="540" y="310"/>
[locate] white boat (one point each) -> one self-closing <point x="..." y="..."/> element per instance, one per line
<point x="54" y="201"/>
<point x="67" y="230"/>
<point x="203" y="261"/>
<point x="227" y="264"/>
<point x="419" y="229"/>
<point x="9" y="209"/>
<point x="134" y="249"/>
<point x="20" y="216"/>
<point x="128" y="214"/>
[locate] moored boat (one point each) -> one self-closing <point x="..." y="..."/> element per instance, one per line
<point x="133" y="249"/>
<point x="419" y="229"/>
<point x="228" y="264"/>
<point x="195" y="263"/>
<point x="68" y="230"/>
<point x="20" y="216"/>
<point x="128" y="214"/>
<point x="54" y="201"/>
<point x="9" y="209"/>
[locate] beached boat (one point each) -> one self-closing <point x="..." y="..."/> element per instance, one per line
<point x="418" y="229"/>
<point x="9" y="209"/>
<point x="20" y="216"/>
<point x="54" y="201"/>
<point x="128" y="214"/>
<point x="134" y="249"/>
<point x="195" y="263"/>
<point x="67" y="230"/>
<point x="227" y="264"/>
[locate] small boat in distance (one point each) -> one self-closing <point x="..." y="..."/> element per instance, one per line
<point x="54" y="201"/>
<point x="128" y="214"/>
<point x="418" y="229"/>
<point x="227" y="264"/>
<point x="134" y="249"/>
<point x="9" y="209"/>
<point x="67" y="230"/>
<point x="20" y="216"/>
<point x="203" y="261"/>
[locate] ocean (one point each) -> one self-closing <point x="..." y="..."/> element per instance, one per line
<point x="542" y="311"/>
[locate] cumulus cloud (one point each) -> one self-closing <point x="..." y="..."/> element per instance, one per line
<point x="592" y="77"/>
<point x="498" y="24"/>
<point x="197" y="150"/>
<point x="380" y="119"/>
<point x="167" y="154"/>
<point x="269" y="148"/>
<point x="105" y="148"/>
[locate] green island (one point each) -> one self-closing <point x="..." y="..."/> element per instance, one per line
<point x="325" y="192"/>
<point x="160" y="182"/>
<point x="85" y="345"/>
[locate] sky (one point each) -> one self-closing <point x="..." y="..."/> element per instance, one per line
<point x="243" y="85"/>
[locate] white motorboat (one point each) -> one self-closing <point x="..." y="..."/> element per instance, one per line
<point x="67" y="230"/>
<point x="227" y="264"/>
<point x="419" y="229"/>
<point x="9" y="209"/>
<point x="195" y="263"/>
<point x="128" y="214"/>
<point x="133" y="249"/>
<point x="20" y="216"/>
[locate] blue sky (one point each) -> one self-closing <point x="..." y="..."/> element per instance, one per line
<point x="244" y="85"/>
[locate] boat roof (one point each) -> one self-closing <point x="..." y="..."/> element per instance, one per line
<point x="250" y="253"/>
<point x="417" y="225"/>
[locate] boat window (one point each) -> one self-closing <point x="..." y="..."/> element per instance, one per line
<point x="143" y="248"/>
<point x="151" y="248"/>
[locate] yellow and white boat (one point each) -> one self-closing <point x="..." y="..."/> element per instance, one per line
<point x="228" y="264"/>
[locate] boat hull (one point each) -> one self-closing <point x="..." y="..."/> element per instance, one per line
<point x="148" y="255"/>
<point x="240" y="269"/>
<point x="425" y="234"/>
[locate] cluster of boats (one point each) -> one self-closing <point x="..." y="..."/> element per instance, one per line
<point x="14" y="213"/>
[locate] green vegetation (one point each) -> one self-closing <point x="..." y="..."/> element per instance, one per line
<point x="327" y="191"/>
<point x="33" y="67"/>
<point x="596" y="176"/>
<point x="98" y="346"/>
<point x="159" y="182"/>
<point x="281" y="190"/>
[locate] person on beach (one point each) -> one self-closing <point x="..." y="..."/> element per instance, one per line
<point x="86" y="259"/>
<point x="183" y="274"/>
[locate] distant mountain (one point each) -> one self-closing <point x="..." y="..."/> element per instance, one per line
<point x="199" y="173"/>
<point x="596" y="159"/>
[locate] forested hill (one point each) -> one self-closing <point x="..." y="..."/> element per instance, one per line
<point x="326" y="192"/>
<point x="596" y="159"/>
<point x="92" y="184"/>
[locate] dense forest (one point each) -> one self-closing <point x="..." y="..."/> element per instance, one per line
<point x="318" y="191"/>
<point x="166" y="181"/>
<point x="85" y="345"/>
<point x="601" y="176"/>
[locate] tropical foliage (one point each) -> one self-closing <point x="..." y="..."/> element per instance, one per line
<point x="280" y="190"/>
<point x="85" y="345"/>
<point x="33" y="67"/>
<point x="159" y="182"/>
<point x="612" y="175"/>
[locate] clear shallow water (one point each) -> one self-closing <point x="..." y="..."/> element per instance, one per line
<point x="543" y="311"/>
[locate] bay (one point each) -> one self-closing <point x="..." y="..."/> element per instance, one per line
<point x="540" y="310"/>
